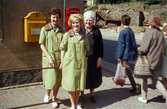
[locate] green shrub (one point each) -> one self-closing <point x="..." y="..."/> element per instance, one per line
<point x="152" y="2"/>
<point x="164" y="16"/>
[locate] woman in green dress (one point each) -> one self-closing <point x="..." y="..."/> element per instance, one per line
<point x="73" y="56"/>
<point x="50" y="39"/>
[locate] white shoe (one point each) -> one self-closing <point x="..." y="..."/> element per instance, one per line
<point x="54" y="104"/>
<point x="79" y="107"/>
<point x="141" y="99"/>
<point x="46" y="99"/>
<point x="160" y="86"/>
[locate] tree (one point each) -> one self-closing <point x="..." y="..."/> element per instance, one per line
<point x="152" y="1"/>
<point x="115" y="1"/>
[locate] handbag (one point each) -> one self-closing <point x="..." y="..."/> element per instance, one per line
<point x="119" y="77"/>
<point x="142" y="67"/>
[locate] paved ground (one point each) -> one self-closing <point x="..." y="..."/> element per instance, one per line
<point x="108" y="96"/>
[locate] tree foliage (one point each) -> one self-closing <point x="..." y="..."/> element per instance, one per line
<point x="116" y="1"/>
<point x="152" y="1"/>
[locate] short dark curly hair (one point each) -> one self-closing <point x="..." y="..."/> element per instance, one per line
<point x="125" y="19"/>
<point x="54" y="11"/>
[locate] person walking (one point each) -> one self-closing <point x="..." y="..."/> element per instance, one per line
<point x="74" y="47"/>
<point x="152" y="46"/>
<point x="141" y="17"/>
<point x="164" y="63"/>
<point x="50" y="38"/>
<point x="95" y="54"/>
<point x="127" y="50"/>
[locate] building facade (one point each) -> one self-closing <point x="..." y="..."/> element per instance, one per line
<point x="12" y="25"/>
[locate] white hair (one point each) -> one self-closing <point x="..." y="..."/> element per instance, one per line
<point x="165" y="24"/>
<point x="90" y="14"/>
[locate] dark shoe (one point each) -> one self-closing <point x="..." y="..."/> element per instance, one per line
<point x="133" y="90"/>
<point x="152" y="86"/>
<point x="57" y="100"/>
<point x="81" y="102"/>
<point x="82" y="98"/>
<point x="92" y="99"/>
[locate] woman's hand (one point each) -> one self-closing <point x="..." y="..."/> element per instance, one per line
<point x="51" y="63"/>
<point x="119" y="60"/>
<point x="60" y="67"/>
<point x="125" y="64"/>
<point x="138" y="48"/>
<point x="99" y="62"/>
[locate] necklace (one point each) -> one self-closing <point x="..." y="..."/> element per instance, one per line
<point x="77" y="35"/>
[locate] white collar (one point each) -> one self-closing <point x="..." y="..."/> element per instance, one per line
<point x="125" y="26"/>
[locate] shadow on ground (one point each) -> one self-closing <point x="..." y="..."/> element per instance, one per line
<point x="109" y="58"/>
<point x="26" y="106"/>
<point x="106" y="97"/>
<point x="110" y="51"/>
<point x="158" y="99"/>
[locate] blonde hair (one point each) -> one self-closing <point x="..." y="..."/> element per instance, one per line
<point x="74" y="16"/>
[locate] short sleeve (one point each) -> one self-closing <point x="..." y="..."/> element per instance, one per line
<point x="64" y="42"/>
<point x="42" y="36"/>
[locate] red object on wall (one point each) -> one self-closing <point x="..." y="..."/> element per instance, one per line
<point x="69" y="11"/>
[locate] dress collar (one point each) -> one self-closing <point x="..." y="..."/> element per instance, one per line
<point x="125" y="26"/>
<point x="49" y="27"/>
<point x="81" y="32"/>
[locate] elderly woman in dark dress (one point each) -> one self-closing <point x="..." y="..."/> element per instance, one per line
<point x="95" y="54"/>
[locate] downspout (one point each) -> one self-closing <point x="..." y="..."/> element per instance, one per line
<point x="1" y="21"/>
<point x="64" y="15"/>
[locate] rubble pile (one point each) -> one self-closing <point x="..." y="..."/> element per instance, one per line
<point x="117" y="10"/>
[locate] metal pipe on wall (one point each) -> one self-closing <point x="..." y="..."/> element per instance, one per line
<point x="1" y="21"/>
<point x="64" y="15"/>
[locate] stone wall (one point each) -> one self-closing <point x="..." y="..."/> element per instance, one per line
<point x="19" y="77"/>
<point x="117" y="10"/>
<point x="155" y="10"/>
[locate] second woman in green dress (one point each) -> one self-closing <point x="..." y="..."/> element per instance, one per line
<point x="73" y="52"/>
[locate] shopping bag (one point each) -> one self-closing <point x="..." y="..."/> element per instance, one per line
<point x="142" y="67"/>
<point x="119" y="77"/>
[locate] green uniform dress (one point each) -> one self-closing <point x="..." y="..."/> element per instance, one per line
<point x="51" y="38"/>
<point x="74" y="61"/>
